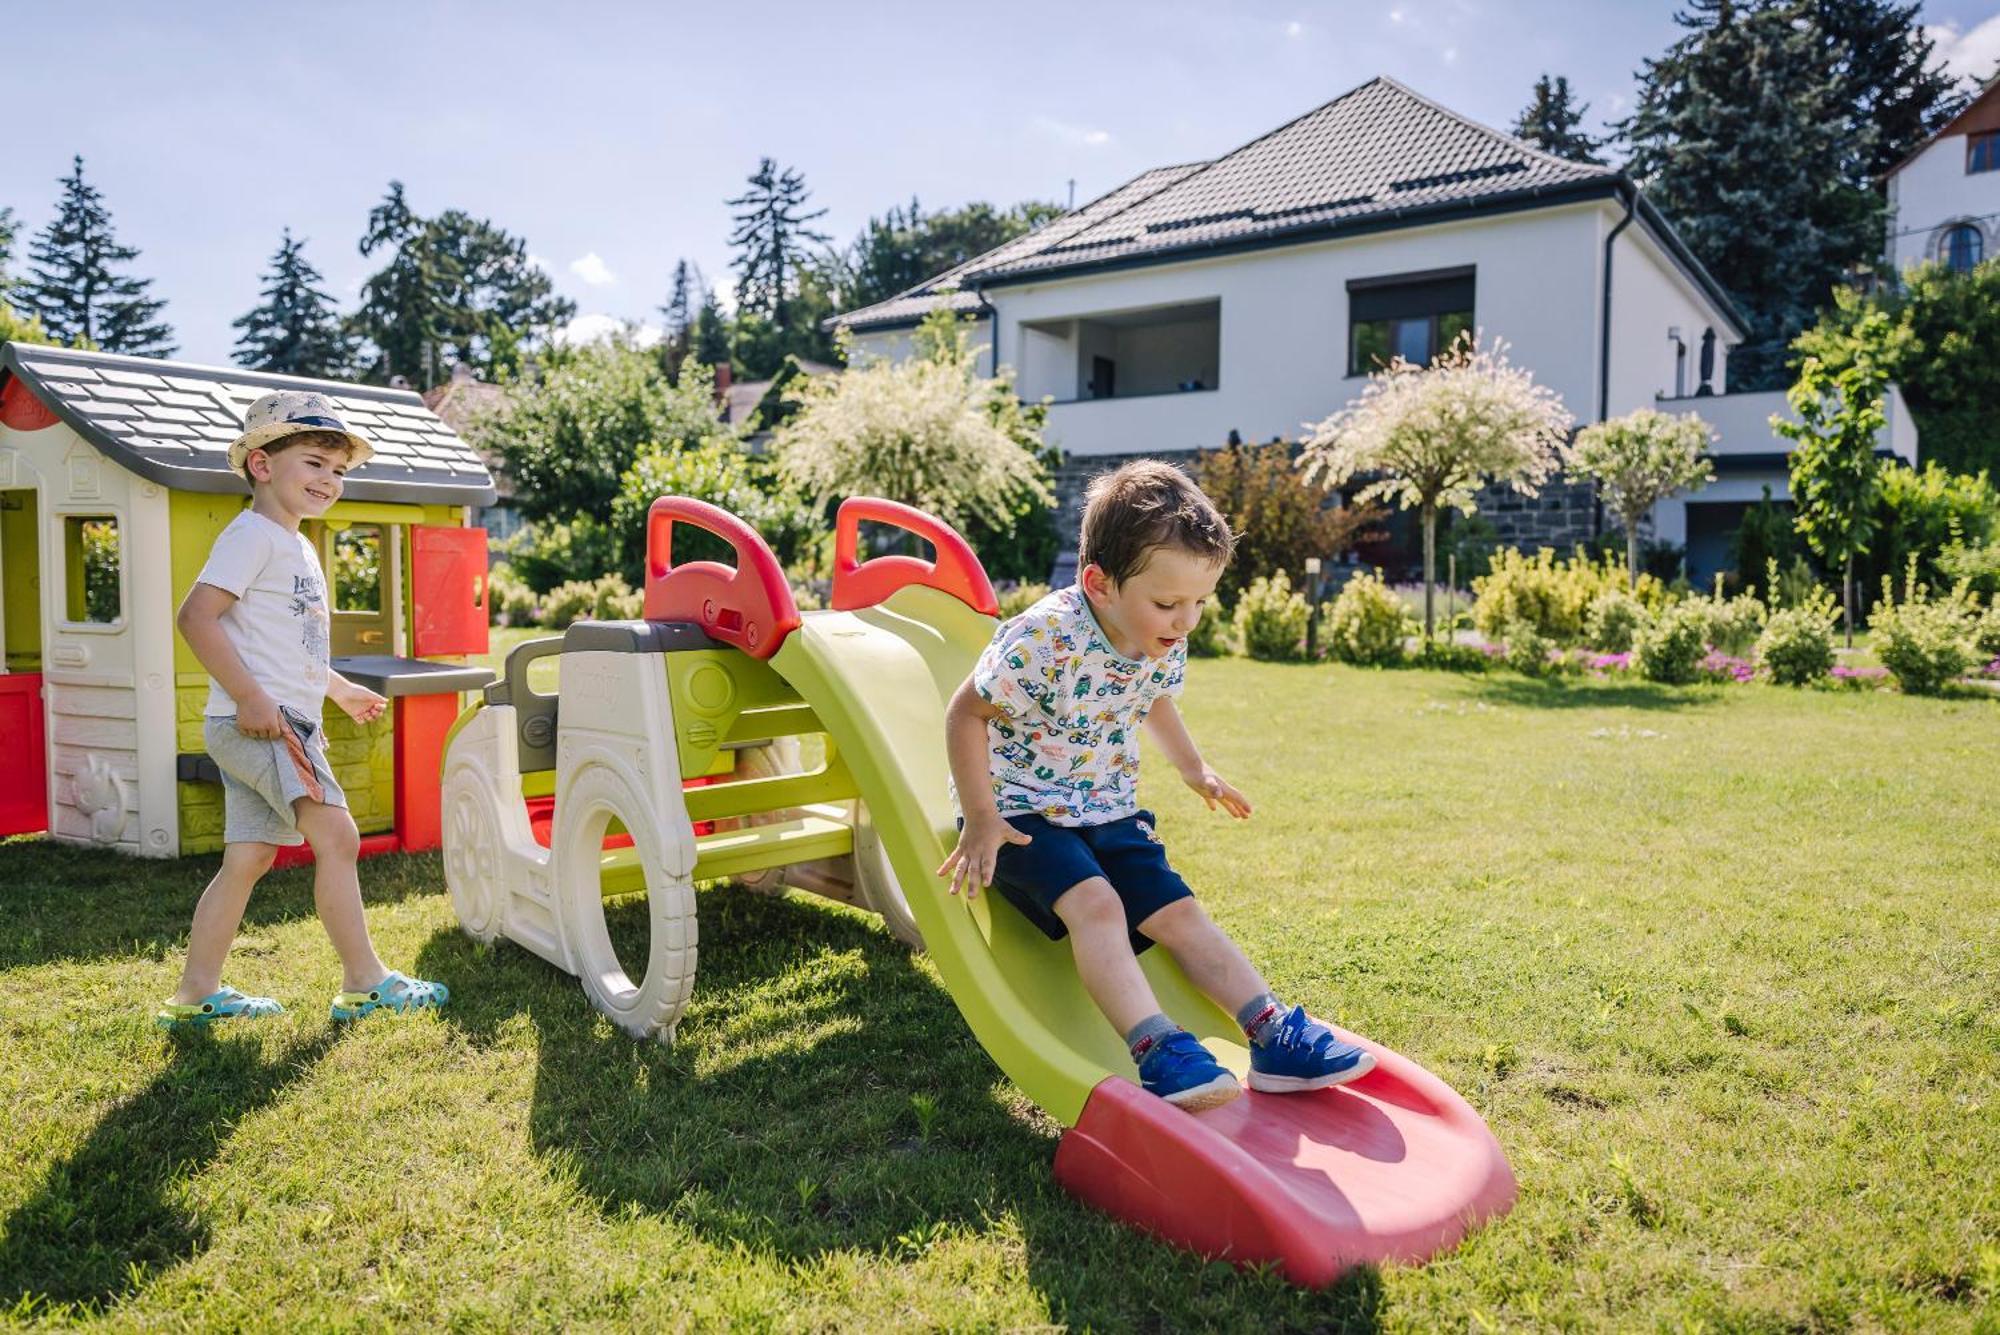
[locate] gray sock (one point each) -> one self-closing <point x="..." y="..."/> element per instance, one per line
<point x="1148" y="1032"/>
<point x="1257" y="1015"/>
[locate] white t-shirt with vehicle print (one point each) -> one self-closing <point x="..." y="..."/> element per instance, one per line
<point x="278" y="623"/>
<point x="1066" y="743"/>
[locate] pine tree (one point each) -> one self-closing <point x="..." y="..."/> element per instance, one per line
<point x="295" y="329"/>
<point x="683" y="304"/>
<point x="73" y="289"/>
<point x="1892" y="82"/>
<point x="1741" y="136"/>
<point x="770" y="234"/>
<point x="6" y="248"/>
<point x="711" y="334"/>
<point x="1549" y="123"/>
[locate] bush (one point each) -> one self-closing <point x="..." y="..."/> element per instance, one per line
<point x="1611" y="621"/>
<point x="1367" y="623"/>
<point x="1796" y="647"/>
<point x="509" y="600"/>
<point x="1986" y="634"/>
<point x="608" y="598"/>
<point x="1528" y="650"/>
<point x="1733" y="624"/>
<point x="1922" y="512"/>
<point x="1924" y="642"/>
<point x="1670" y="647"/>
<point x="1278" y="517"/>
<point x="1553" y="596"/>
<point x="1271" y="619"/>
<point x="1450" y="656"/>
<point x="545" y="555"/>
<point x="1020" y="598"/>
<point x="1210" y="636"/>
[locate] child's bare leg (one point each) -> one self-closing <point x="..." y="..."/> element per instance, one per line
<point x="1212" y="961"/>
<point x="216" y="917"/>
<point x="1104" y="960"/>
<point x="336" y="844"/>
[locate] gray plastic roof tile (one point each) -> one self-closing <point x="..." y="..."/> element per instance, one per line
<point x="1377" y="156"/>
<point x="172" y="422"/>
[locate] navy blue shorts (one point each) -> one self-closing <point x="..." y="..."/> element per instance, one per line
<point x="1033" y="876"/>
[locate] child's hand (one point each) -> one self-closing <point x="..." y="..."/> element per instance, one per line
<point x="257" y="716"/>
<point x="1214" y="788"/>
<point x="971" y="863"/>
<point x="357" y="702"/>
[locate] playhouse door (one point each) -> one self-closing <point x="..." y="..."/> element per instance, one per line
<point x="447" y="591"/>
<point x="24" y="797"/>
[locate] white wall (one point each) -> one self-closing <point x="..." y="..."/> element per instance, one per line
<point x="894" y="344"/>
<point x="1284" y="330"/>
<point x="1933" y="190"/>
<point x="1649" y="296"/>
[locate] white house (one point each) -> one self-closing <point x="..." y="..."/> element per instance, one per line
<point x="1944" y="199"/>
<point x="1252" y="294"/>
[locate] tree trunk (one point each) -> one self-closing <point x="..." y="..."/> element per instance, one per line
<point x="1430" y="567"/>
<point x="1632" y="555"/>
<point x="1847" y="599"/>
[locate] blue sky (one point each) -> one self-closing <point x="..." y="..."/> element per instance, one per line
<point x="609" y="135"/>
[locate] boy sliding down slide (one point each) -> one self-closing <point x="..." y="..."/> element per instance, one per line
<point x="1044" y="746"/>
<point x="257" y="620"/>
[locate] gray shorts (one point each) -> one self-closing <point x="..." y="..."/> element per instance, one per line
<point x="262" y="777"/>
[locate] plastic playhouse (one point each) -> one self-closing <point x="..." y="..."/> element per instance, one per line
<point x="669" y="755"/>
<point x="114" y="482"/>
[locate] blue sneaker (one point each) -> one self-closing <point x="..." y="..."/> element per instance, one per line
<point x="1180" y="1071"/>
<point x="1304" y="1054"/>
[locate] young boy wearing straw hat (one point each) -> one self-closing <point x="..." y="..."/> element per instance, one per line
<point x="257" y="619"/>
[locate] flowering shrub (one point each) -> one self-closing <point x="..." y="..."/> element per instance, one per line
<point x="1020" y="598"/>
<point x="1611" y="621"/>
<point x="509" y="600"/>
<point x="1367" y="623"/>
<point x="1209" y="637"/>
<point x="1554" y="596"/>
<point x="1671" y="646"/>
<point x="1733" y="624"/>
<point x="1986" y="634"/>
<point x="1796" y="647"/>
<point x="1271" y="619"/>
<point x="1924" y="642"/>
<point x="1528" y="650"/>
<point x="607" y="599"/>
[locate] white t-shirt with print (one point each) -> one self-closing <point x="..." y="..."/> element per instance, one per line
<point x="278" y="623"/>
<point x="1066" y="744"/>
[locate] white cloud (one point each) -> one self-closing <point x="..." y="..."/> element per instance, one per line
<point x="590" y="328"/>
<point x="1395" y="16"/>
<point x="1295" y="29"/>
<point x="1451" y="55"/>
<point x="593" y="270"/>
<point x="1077" y="136"/>
<point x="537" y="262"/>
<point x="1968" y="55"/>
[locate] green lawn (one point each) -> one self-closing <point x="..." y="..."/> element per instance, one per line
<point x="1720" y="967"/>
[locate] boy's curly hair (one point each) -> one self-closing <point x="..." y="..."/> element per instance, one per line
<point x="1133" y="511"/>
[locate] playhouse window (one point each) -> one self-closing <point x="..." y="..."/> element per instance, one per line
<point x="91" y="557"/>
<point x="357" y="568"/>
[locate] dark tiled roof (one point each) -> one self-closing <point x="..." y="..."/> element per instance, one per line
<point x="1377" y="156"/>
<point x="172" y="423"/>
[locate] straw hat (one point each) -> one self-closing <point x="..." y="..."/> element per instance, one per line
<point x="288" y="412"/>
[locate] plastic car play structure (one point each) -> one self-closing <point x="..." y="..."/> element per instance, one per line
<point x="668" y="757"/>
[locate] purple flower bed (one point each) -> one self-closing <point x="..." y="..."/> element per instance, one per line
<point x="1860" y="674"/>
<point x="1719" y="666"/>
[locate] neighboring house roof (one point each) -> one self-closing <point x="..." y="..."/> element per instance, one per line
<point x="1379" y="156"/>
<point x="743" y="397"/>
<point x="172" y="422"/>
<point x="1980" y="114"/>
<point x="463" y="398"/>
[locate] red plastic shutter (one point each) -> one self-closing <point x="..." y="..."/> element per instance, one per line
<point x="448" y="590"/>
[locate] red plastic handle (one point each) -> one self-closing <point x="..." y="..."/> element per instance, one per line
<point x="750" y="607"/>
<point x="858" y="583"/>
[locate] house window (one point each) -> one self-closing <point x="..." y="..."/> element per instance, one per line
<point x="1411" y="316"/>
<point x="91" y="561"/>
<point x="1963" y="248"/>
<point x="1982" y="152"/>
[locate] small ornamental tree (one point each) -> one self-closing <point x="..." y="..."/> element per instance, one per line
<point x="1640" y="459"/>
<point x="1834" y="474"/>
<point x="928" y="431"/>
<point x="1431" y="436"/>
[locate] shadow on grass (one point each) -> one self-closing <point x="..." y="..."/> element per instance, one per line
<point x="1559" y="693"/>
<point x="62" y="902"/>
<point x="825" y="1096"/>
<point x="102" y="1222"/>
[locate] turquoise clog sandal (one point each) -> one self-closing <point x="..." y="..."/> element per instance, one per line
<point x="397" y="992"/>
<point x="224" y="1005"/>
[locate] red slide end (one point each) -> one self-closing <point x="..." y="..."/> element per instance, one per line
<point x="1394" y="1167"/>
